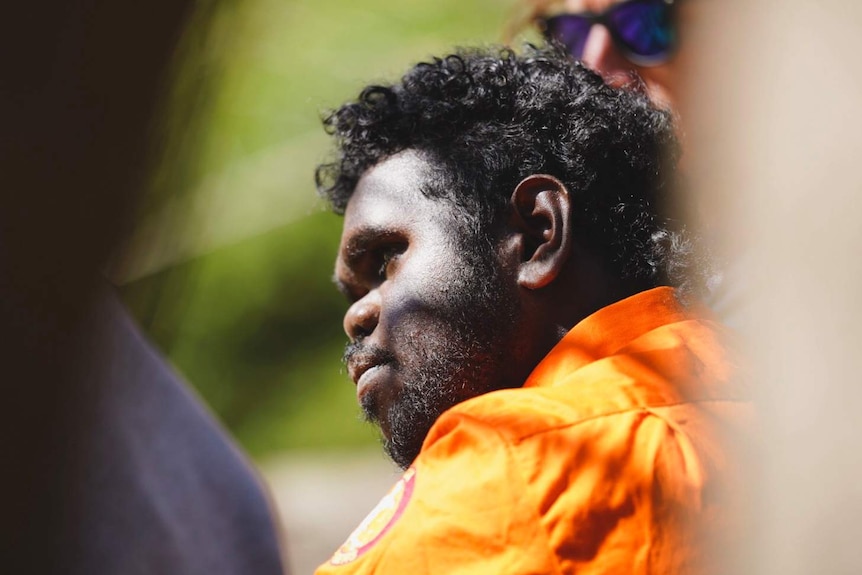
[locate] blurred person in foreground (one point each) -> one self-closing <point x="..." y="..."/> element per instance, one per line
<point x="524" y="326"/>
<point x="110" y="463"/>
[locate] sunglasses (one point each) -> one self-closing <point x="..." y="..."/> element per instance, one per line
<point x="643" y="30"/>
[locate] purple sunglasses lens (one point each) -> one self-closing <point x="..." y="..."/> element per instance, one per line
<point x="645" y="27"/>
<point x="571" y="31"/>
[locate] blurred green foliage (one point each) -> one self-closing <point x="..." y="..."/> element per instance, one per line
<point x="233" y="268"/>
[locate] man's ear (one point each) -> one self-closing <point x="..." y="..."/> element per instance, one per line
<point x="541" y="214"/>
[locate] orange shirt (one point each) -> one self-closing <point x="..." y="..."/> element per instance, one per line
<point x="612" y="458"/>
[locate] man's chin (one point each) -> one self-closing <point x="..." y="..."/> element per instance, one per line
<point x="407" y="437"/>
<point x="373" y="413"/>
<point x="402" y="431"/>
<point x="402" y="448"/>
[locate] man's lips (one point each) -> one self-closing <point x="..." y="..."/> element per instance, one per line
<point x="366" y="380"/>
<point x="360" y="368"/>
<point x="362" y="360"/>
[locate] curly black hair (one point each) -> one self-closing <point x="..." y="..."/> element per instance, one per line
<point x="489" y="117"/>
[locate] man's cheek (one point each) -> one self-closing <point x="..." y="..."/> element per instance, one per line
<point x="413" y="315"/>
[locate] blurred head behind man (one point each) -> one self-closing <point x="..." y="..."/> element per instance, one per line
<point x="621" y="40"/>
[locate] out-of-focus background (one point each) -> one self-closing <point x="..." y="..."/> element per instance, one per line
<point x="229" y="268"/>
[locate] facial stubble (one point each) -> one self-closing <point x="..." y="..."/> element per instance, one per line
<point x="463" y="356"/>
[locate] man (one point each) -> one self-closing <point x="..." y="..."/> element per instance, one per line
<point x="504" y="247"/>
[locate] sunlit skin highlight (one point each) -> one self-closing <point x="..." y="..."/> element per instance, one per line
<point x="423" y="333"/>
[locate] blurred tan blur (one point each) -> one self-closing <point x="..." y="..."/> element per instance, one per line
<point x="776" y="137"/>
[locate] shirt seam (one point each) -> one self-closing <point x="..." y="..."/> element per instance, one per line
<point x="632" y="409"/>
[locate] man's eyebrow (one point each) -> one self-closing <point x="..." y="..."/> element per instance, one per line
<point x="357" y="245"/>
<point x="361" y="240"/>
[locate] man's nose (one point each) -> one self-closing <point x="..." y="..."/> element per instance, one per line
<point x="601" y="54"/>
<point x="362" y="317"/>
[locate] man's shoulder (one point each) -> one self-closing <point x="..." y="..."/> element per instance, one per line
<point x="679" y="376"/>
<point x="556" y="438"/>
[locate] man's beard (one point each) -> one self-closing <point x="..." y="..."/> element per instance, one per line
<point x="466" y="362"/>
<point x="440" y="379"/>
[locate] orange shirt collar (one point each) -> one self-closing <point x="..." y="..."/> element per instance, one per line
<point x="606" y="331"/>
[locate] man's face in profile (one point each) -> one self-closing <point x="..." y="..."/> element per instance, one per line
<point x="431" y="321"/>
